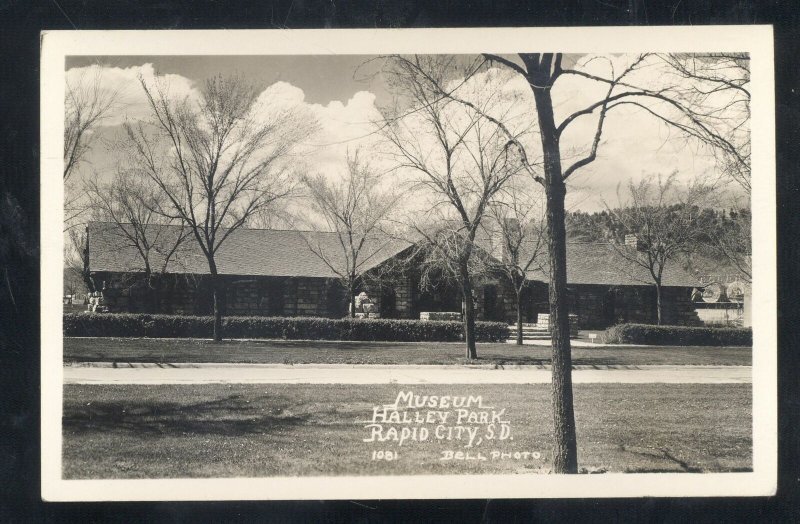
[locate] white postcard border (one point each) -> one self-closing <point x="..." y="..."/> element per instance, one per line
<point x="757" y="40"/>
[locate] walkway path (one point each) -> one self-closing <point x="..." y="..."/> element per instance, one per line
<point x="103" y="373"/>
<point x="576" y="343"/>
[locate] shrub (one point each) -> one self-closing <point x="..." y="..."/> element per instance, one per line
<point x="136" y="325"/>
<point x="677" y="335"/>
<point x="289" y="328"/>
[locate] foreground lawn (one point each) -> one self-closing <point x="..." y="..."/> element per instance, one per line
<point x="270" y="430"/>
<point x="326" y="352"/>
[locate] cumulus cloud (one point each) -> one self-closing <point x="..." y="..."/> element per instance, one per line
<point x="342" y="126"/>
<point x="123" y="83"/>
<point x="345" y="127"/>
<point x="634" y="142"/>
<point x="280" y="94"/>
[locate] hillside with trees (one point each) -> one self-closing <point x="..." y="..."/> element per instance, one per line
<point x="722" y="238"/>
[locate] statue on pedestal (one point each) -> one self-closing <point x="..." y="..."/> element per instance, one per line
<point x="365" y="307"/>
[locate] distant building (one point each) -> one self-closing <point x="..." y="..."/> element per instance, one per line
<point x="275" y="273"/>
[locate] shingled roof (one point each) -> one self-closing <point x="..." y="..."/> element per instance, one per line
<point x="602" y="263"/>
<point x="288" y="253"/>
<point x="252" y="252"/>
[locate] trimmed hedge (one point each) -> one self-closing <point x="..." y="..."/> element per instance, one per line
<point x="677" y="335"/>
<point x="288" y="328"/>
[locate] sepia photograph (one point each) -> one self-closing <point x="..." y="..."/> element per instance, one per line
<point x="408" y="264"/>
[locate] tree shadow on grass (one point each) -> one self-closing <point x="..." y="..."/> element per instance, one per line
<point x="230" y="416"/>
<point x="663" y="453"/>
<point x="698" y="470"/>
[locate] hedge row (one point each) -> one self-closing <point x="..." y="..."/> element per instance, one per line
<point x="289" y="328"/>
<point x="677" y="335"/>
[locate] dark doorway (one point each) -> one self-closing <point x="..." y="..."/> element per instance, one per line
<point x="388" y="302"/>
<point x="535" y="300"/>
<point x="443" y="298"/>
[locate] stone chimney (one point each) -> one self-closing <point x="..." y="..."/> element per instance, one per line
<point x="511" y="228"/>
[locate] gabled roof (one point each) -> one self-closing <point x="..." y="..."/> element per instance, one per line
<point x="256" y="252"/>
<point x="602" y="263"/>
<point x="289" y="253"/>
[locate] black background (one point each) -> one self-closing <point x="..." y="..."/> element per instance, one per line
<point x="20" y="24"/>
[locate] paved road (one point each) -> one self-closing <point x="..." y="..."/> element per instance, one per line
<point x="343" y="374"/>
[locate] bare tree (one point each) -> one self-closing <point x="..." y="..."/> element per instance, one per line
<point x="665" y="102"/>
<point x="661" y="217"/>
<point x="721" y="81"/>
<point x="217" y="161"/>
<point x="438" y="253"/>
<point x="521" y="239"/>
<point x="76" y="256"/>
<point x="130" y="204"/>
<point x="73" y="282"/>
<point x="78" y="212"/>
<point x="717" y="85"/>
<point x="354" y="208"/>
<point x="86" y="104"/>
<point x="460" y="163"/>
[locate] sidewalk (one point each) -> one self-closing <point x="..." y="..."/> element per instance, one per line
<point x="578" y="343"/>
<point x="106" y="373"/>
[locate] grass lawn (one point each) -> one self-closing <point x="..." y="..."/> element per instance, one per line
<point x="268" y="430"/>
<point x="326" y="352"/>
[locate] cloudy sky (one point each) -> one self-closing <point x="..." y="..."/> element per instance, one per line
<point x="344" y="93"/>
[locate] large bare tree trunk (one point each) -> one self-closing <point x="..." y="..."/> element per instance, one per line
<point x="565" y="454"/>
<point x="351" y="293"/>
<point x="519" y="318"/>
<point x="150" y="291"/>
<point x="658" y="304"/>
<point x="156" y="283"/>
<point x="469" y="318"/>
<point x="217" y="294"/>
<point x="85" y="273"/>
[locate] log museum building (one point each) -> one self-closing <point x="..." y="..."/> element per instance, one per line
<point x="281" y="273"/>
